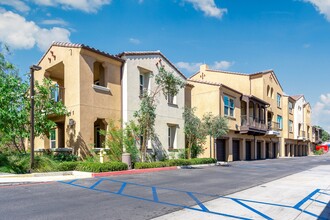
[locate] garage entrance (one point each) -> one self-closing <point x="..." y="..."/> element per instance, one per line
<point x="236" y="153"/>
<point x="274" y="150"/>
<point x="221" y="149"/>
<point x="248" y="150"/>
<point x="267" y="151"/>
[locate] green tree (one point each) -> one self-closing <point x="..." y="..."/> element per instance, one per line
<point x="325" y="135"/>
<point x="215" y="127"/>
<point x="15" y="107"/>
<point x="194" y="131"/>
<point x="169" y="85"/>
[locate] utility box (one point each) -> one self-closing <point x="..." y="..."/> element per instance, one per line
<point x="126" y="158"/>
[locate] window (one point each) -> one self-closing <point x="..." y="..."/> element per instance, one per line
<point x="99" y="76"/>
<point x="290" y="126"/>
<point x="52" y="138"/>
<point x="55" y="93"/>
<point x="290" y="107"/>
<point x="279" y="100"/>
<point x="171" y="136"/>
<point x="280" y="122"/>
<point x="268" y="91"/>
<point x="141" y="84"/>
<point x="171" y="99"/>
<point x="229" y="106"/>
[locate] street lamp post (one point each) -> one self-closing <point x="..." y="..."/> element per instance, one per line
<point x="32" y="69"/>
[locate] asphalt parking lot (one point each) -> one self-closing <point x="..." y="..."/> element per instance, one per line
<point x="145" y="196"/>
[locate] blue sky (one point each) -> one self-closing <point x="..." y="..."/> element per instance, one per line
<point x="289" y="36"/>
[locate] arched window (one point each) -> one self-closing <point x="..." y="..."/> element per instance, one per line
<point x="268" y="91"/>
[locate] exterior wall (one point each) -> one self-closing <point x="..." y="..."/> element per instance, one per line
<point x="167" y="114"/>
<point x="298" y="116"/>
<point x="72" y="68"/>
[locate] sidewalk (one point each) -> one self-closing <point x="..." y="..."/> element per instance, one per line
<point x="301" y="196"/>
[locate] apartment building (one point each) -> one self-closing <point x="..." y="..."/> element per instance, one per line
<point x="262" y="119"/>
<point x="139" y="72"/>
<point x="89" y="83"/>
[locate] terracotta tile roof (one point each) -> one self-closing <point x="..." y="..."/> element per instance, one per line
<point x="83" y="46"/>
<point x="213" y="84"/>
<point x="146" y="53"/>
<point x="296" y="97"/>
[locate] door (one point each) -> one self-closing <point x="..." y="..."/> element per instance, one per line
<point x="267" y="151"/>
<point x="221" y="149"/>
<point x="236" y="154"/>
<point x="274" y="150"/>
<point x="258" y="150"/>
<point x="248" y="150"/>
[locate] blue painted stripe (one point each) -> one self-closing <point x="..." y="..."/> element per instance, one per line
<point x="163" y="203"/>
<point x="154" y="194"/>
<point x="198" y="202"/>
<point x="72" y="181"/>
<point x="318" y="201"/>
<point x="297" y="206"/>
<point x="314" y="215"/>
<point x="265" y="203"/>
<point x="252" y="209"/>
<point x="324" y="193"/>
<point x="95" y="184"/>
<point x="121" y="188"/>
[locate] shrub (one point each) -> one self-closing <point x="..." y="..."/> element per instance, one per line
<point x="174" y="162"/>
<point x="67" y="166"/>
<point x="101" y="167"/>
<point x="64" y="157"/>
<point x="203" y="160"/>
<point x="146" y="165"/>
<point x="318" y="152"/>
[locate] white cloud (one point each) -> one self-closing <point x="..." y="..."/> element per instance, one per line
<point x="134" y="41"/>
<point x="208" y="7"/>
<point x="222" y="65"/>
<point x="89" y="6"/>
<point x="17" y="4"/>
<point x="58" y="21"/>
<point x="322" y="6"/>
<point x="194" y="67"/>
<point x="28" y="34"/>
<point x="321" y="112"/>
<point x="189" y="67"/>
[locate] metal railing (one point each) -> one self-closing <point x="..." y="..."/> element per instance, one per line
<point x="273" y="126"/>
<point x="253" y="122"/>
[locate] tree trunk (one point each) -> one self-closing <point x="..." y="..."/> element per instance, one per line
<point x="210" y="146"/>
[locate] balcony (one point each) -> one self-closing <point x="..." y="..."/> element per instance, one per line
<point x="302" y="135"/>
<point x="273" y="128"/>
<point x="252" y="125"/>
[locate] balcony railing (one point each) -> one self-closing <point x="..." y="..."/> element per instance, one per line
<point x="253" y="122"/>
<point x="302" y="135"/>
<point x="273" y="126"/>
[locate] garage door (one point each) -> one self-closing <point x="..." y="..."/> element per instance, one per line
<point x="236" y="154"/>
<point x="248" y="150"/>
<point x="274" y="150"/>
<point x="221" y="150"/>
<point x="258" y="150"/>
<point x="267" y="151"/>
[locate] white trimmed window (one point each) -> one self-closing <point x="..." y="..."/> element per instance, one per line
<point x="279" y="100"/>
<point x="141" y="84"/>
<point x="290" y="126"/>
<point x="52" y="138"/>
<point x="229" y="106"/>
<point x="290" y="107"/>
<point x="171" y="133"/>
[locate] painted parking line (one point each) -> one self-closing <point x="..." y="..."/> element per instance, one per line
<point x="194" y="197"/>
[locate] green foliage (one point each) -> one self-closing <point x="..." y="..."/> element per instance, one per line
<point x="174" y="162"/>
<point x="15" y="107"/>
<point x="131" y="140"/>
<point x="113" y="141"/>
<point x="68" y="166"/>
<point x="64" y="157"/>
<point x="318" y="152"/>
<point x="168" y="84"/>
<point x="215" y="126"/>
<point x="194" y="131"/>
<point x="101" y="167"/>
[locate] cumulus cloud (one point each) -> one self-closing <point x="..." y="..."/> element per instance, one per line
<point x="58" y="21"/>
<point x="17" y="4"/>
<point x="134" y="41"/>
<point x="208" y="7"/>
<point x="194" y="67"/>
<point x="322" y="6"/>
<point x="89" y="6"/>
<point x="321" y="112"/>
<point x="28" y="34"/>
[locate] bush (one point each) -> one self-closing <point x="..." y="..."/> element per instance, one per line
<point x="64" y="157"/>
<point x="101" y="167"/>
<point x="174" y="162"/>
<point x="319" y="152"/>
<point x="67" y="166"/>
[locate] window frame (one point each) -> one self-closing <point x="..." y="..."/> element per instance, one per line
<point x="230" y="106"/>
<point x="280" y="121"/>
<point x="290" y="126"/>
<point x="279" y="100"/>
<point x="52" y="138"/>
<point x="171" y="136"/>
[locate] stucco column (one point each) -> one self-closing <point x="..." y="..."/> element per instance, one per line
<point x="254" y="150"/>
<point x="229" y="146"/>
<point x="263" y="149"/>
<point x="242" y="149"/>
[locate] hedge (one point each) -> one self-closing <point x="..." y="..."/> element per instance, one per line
<point x="101" y="167"/>
<point x="174" y="162"/>
<point x="67" y="166"/>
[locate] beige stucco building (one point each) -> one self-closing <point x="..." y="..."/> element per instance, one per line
<point x="89" y="84"/>
<point x="260" y="116"/>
